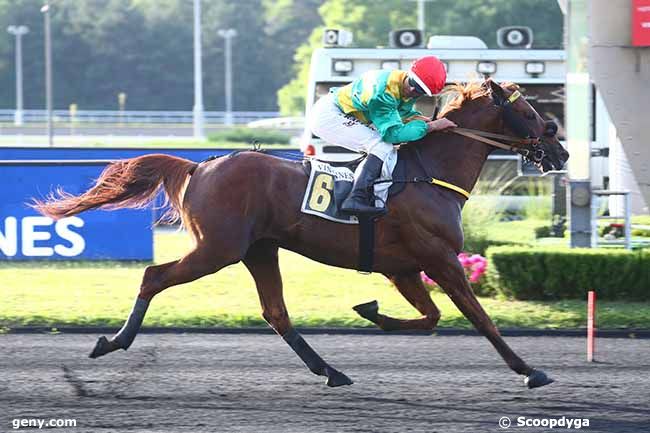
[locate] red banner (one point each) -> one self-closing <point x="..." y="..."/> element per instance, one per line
<point x="641" y="23"/>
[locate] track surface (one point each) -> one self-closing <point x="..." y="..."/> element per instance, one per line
<point x="254" y="383"/>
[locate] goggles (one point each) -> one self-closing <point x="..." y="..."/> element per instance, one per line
<point x="419" y="90"/>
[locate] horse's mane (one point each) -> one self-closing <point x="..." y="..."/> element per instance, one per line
<point x="467" y="92"/>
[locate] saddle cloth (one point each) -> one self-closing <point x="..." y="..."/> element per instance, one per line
<point x="329" y="185"/>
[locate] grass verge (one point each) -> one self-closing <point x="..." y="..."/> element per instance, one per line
<point x="101" y="294"/>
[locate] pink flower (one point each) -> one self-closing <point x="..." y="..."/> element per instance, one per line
<point x="476" y="259"/>
<point x="475" y="267"/>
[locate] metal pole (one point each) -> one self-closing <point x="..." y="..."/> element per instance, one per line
<point x="228" y="34"/>
<point x="18" y="32"/>
<point x="199" y="118"/>
<point x="48" y="73"/>
<point x="628" y="221"/>
<point x="577" y="119"/>
<point x="228" y="81"/>
<point x="18" y="118"/>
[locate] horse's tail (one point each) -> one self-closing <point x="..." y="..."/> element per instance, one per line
<point x="129" y="183"/>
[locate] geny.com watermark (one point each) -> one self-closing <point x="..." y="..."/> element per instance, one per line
<point x="40" y="423"/>
<point x="563" y="422"/>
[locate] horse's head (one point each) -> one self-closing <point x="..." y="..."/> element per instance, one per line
<point x="521" y="119"/>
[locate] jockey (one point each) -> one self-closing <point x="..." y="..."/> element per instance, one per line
<point x="385" y="99"/>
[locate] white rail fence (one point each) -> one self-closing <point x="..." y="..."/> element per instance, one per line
<point x="135" y="117"/>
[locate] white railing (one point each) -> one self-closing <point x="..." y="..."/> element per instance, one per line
<point x="114" y="116"/>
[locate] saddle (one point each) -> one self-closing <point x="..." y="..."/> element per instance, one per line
<point x="331" y="182"/>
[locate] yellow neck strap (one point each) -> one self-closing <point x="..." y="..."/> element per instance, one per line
<point x="515" y="95"/>
<point x="450" y="186"/>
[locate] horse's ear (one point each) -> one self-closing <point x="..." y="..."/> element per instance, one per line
<point x="497" y="92"/>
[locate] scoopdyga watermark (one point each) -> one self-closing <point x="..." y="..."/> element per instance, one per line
<point x="550" y="423"/>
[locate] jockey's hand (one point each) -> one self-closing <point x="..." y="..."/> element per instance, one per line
<point x="440" y="125"/>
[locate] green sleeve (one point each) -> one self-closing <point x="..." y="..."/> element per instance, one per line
<point x="384" y="114"/>
<point x="409" y="112"/>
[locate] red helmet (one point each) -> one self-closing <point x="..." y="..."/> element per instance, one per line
<point x="430" y="73"/>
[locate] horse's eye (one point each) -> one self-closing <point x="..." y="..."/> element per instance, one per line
<point x="529" y="115"/>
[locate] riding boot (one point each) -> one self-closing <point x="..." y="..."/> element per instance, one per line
<point x="360" y="201"/>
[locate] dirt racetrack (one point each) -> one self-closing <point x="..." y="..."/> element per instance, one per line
<point x="254" y="383"/>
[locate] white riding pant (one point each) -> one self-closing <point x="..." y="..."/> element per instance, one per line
<point x="332" y="125"/>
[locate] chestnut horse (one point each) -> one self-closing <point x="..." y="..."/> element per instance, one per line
<point x="245" y="206"/>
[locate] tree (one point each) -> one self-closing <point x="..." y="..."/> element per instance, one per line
<point x="288" y="23"/>
<point x="145" y="49"/>
<point x="484" y="17"/>
<point x="25" y="13"/>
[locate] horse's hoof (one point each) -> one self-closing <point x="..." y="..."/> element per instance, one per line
<point x="537" y="378"/>
<point x="102" y="347"/>
<point x="336" y="378"/>
<point x="368" y="310"/>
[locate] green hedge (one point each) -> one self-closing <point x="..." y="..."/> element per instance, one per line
<point x="251" y="135"/>
<point x="563" y="273"/>
<point x="542" y="232"/>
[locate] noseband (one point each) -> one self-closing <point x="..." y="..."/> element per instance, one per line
<point x="517" y="144"/>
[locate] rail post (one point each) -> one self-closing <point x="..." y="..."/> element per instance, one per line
<point x="591" y="323"/>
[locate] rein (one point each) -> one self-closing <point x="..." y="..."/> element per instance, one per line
<point x="487" y="137"/>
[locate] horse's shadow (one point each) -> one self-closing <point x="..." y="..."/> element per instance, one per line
<point x="121" y="383"/>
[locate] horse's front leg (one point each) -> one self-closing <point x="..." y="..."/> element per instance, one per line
<point x="447" y="271"/>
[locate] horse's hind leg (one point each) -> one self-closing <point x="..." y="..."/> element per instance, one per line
<point x="449" y="274"/>
<point x="262" y="262"/>
<point x="200" y="262"/>
<point x="411" y="287"/>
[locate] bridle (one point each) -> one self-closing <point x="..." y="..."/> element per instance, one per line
<point x="517" y="144"/>
<point x="514" y="144"/>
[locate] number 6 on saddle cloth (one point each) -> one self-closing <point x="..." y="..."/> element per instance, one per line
<point x="329" y="185"/>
